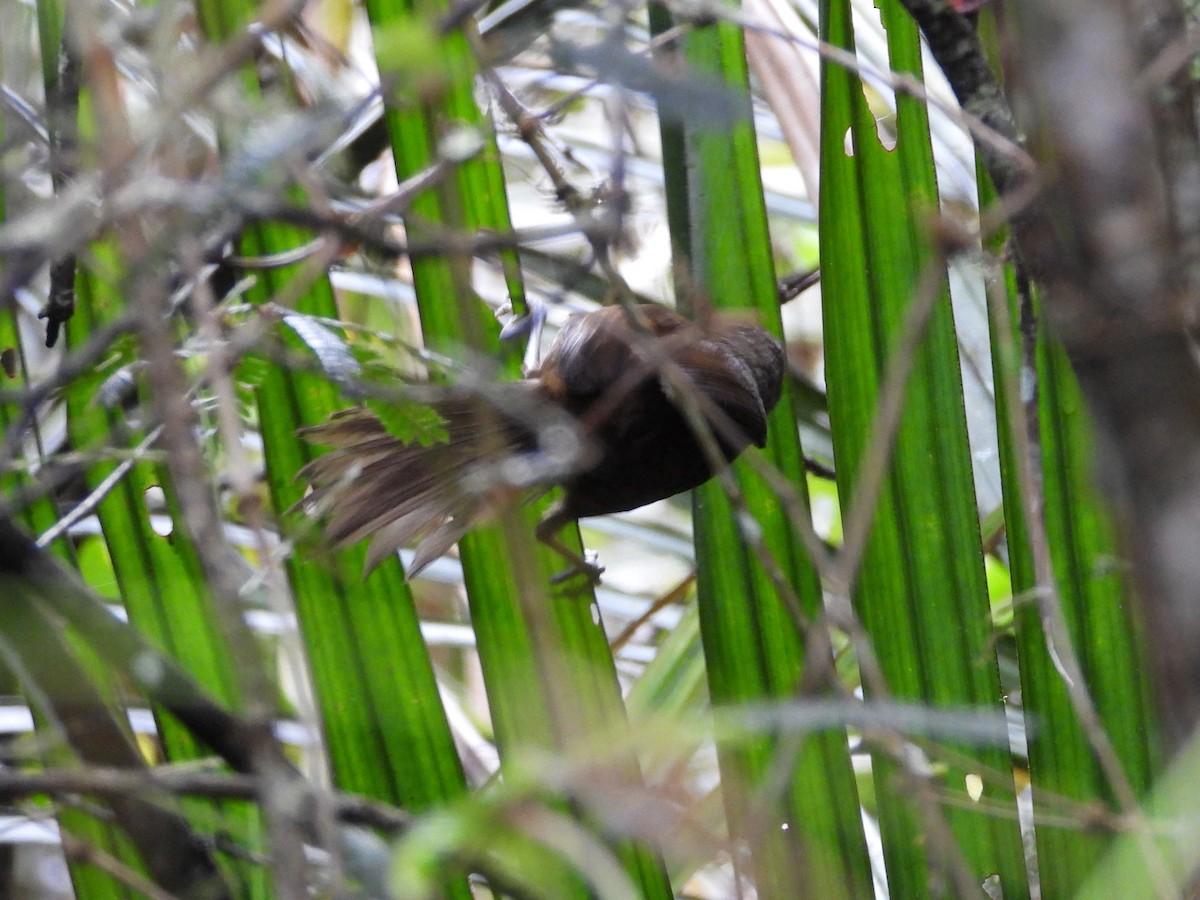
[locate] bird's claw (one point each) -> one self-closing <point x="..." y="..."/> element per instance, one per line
<point x="587" y="567"/>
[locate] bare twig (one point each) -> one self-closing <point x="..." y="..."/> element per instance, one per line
<point x="189" y="479"/>
<point x="99" y="781"/>
<point x="85" y="506"/>
<point x="599" y="222"/>
<point x="77" y="849"/>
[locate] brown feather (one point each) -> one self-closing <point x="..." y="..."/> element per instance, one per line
<point x="599" y="385"/>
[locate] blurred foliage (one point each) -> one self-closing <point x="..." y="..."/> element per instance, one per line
<point x="325" y="205"/>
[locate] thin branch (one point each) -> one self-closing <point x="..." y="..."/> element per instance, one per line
<point x="85" y="506"/>
<point x="598" y="216"/>
<point x="107" y="782"/>
<point x="77" y="849"/>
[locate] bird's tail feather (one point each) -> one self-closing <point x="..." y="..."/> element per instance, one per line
<point x="373" y="484"/>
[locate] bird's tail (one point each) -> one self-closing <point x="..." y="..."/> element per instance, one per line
<point x="371" y="484"/>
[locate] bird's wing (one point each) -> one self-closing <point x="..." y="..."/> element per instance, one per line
<point x="724" y="378"/>
<point x="593" y="351"/>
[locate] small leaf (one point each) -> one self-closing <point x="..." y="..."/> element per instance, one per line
<point x="410" y="421"/>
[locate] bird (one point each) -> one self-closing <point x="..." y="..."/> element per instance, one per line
<point x="605" y="416"/>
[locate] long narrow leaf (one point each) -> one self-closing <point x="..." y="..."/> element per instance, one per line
<point x="921" y="590"/>
<point x="754" y="648"/>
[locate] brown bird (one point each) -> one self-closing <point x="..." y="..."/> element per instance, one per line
<point x="600" y="416"/>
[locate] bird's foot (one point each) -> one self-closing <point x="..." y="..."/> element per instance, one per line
<point x="586" y="565"/>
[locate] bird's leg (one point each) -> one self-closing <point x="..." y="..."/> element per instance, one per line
<point x="547" y="532"/>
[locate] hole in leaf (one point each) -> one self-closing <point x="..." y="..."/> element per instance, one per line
<point x="885" y="129"/>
